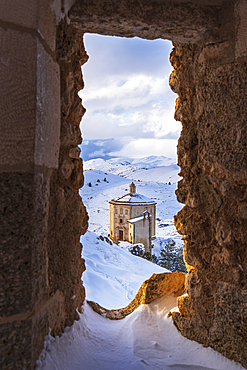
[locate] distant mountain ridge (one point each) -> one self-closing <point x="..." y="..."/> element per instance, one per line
<point x="151" y="168"/>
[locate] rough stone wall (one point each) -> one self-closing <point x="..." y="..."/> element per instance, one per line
<point x="172" y="19"/>
<point x="41" y="214"/>
<point x="68" y="218"/>
<point x="211" y="82"/>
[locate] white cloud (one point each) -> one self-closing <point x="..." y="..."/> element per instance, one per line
<point x="161" y="121"/>
<point x="144" y="122"/>
<point x="145" y="147"/>
<point x="138" y="90"/>
<point x="128" y="98"/>
<point x="97" y="153"/>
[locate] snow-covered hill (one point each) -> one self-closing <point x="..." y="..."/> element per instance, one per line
<point x="113" y="275"/>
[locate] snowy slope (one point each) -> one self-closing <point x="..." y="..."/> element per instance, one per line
<point x="113" y="275"/>
<point x="144" y="340"/>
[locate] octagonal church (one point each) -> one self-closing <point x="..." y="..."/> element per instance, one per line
<point x="132" y="218"/>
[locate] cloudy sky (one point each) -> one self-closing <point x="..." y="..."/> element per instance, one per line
<point x="129" y="103"/>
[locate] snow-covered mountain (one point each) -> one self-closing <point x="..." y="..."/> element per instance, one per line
<point x="152" y="168"/>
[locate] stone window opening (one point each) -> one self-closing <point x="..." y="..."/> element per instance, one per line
<point x="181" y="59"/>
<point x="199" y="51"/>
<point x="209" y="60"/>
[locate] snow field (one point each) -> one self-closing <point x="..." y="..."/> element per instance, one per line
<point x="144" y="340"/>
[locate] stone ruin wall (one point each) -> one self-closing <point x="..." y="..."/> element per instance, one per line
<point x="212" y="155"/>
<point x="210" y="78"/>
<point x="68" y="218"/>
<point x="42" y="275"/>
<point x="41" y="213"/>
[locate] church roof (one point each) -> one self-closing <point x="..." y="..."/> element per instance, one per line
<point x="134" y="199"/>
<point x="137" y="219"/>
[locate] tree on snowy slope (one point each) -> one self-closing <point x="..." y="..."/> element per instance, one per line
<point x="171" y="257"/>
<point x="137" y="250"/>
<point x="151" y="257"/>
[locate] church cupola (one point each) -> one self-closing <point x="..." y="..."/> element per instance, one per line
<point x="132" y="188"/>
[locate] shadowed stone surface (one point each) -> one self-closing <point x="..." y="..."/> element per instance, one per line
<point x="146" y="19"/>
<point x="67" y="215"/>
<point x="41" y="212"/>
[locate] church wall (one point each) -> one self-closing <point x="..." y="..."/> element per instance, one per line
<point x="125" y="212"/>
<point x="117" y="213"/>
<point x="138" y="211"/>
<point x="140" y="230"/>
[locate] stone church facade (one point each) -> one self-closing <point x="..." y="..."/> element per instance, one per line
<point x="132" y="218"/>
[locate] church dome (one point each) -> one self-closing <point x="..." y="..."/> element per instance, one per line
<point x="133" y="198"/>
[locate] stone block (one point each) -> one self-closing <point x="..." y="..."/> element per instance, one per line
<point x="48" y="11"/>
<point x="241" y="29"/>
<point x="51" y="316"/>
<point x="229" y="331"/>
<point x="16" y="345"/>
<point x="39" y="250"/>
<point x="16" y="217"/>
<point x="220" y="52"/>
<point x="23" y="13"/>
<point x="47" y="135"/>
<point x="50" y="14"/>
<point x="17" y="97"/>
<point x="157" y="286"/>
